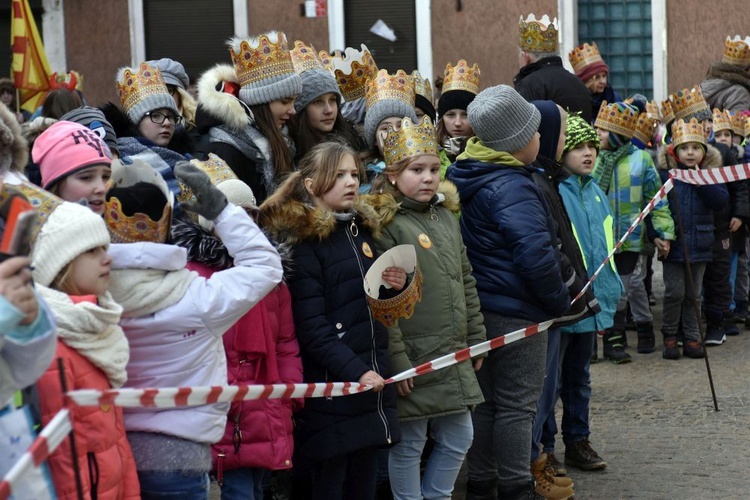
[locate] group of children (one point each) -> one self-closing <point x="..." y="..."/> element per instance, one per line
<point x="294" y="171"/>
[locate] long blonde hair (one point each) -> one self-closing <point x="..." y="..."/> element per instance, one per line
<point x="188" y="105"/>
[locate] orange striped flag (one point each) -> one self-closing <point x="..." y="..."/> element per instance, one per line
<point x="30" y="67"/>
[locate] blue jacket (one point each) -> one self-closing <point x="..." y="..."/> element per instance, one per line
<point x="510" y="242"/>
<point x="593" y="226"/>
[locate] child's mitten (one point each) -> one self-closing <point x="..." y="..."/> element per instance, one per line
<point x="209" y="201"/>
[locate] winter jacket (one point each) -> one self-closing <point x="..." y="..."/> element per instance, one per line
<point x="634" y="183"/>
<point x="739" y="198"/>
<point x="261" y="348"/>
<point x="105" y="461"/>
<point x="593" y="226"/>
<point x="510" y="238"/>
<point x="181" y="345"/>
<point x="339" y="339"/>
<point x="697" y="205"/>
<point x="447" y="318"/>
<point x="547" y="79"/>
<point x="727" y="86"/>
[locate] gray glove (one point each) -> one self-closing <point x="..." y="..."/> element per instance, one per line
<point x="209" y="200"/>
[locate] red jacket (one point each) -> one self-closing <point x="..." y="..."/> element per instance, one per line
<point x="104" y="457"/>
<point x="261" y="348"/>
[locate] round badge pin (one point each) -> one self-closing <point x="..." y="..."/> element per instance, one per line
<point x="366" y="249"/>
<point x="424" y="241"/>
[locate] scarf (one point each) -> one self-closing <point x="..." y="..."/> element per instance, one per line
<point x="146" y="291"/>
<point x="249" y="141"/>
<point x="476" y="150"/>
<point x="92" y="330"/>
<point x="605" y="164"/>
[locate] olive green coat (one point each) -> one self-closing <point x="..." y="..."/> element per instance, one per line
<point x="447" y="319"/>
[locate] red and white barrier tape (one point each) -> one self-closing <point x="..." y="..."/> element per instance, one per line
<point x="721" y="175"/>
<point x="49" y="439"/>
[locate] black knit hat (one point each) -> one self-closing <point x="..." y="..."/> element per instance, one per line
<point x="425" y="105"/>
<point x="454" y="99"/>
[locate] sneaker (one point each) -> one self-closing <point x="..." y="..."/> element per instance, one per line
<point x="714" y="335"/>
<point x="555" y="467"/>
<point x="693" y="349"/>
<point x="581" y="455"/>
<point x="671" y="351"/>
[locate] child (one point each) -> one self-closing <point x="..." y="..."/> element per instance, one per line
<point x="694" y="207"/>
<point x="628" y="176"/>
<point x="75" y="164"/>
<point x="71" y="271"/>
<point x="423" y="102"/>
<point x="511" y="245"/>
<point x="589" y="66"/>
<point x="174" y="319"/>
<point x="447" y="318"/>
<point x="331" y="232"/>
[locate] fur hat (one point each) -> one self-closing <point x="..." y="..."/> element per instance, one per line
<point x="14" y="151"/>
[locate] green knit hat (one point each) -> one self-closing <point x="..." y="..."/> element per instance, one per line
<point x="577" y="131"/>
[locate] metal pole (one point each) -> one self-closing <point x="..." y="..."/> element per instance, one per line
<point x="73" y="448"/>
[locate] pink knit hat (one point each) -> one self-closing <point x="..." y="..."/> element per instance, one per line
<point x="65" y="148"/>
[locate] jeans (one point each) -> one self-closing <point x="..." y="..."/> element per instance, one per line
<point x="574" y="390"/>
<point x="546" y="404"/>
<point x="511" y="380"/>
<point x="174" y="484"/>
<point x="452" y="434"/>
<point x="679" y="297"/>
<point x="346" y="477"/>
<point x="245" y="483"/>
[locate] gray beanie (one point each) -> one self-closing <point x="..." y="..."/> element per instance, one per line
<point x="315" y="83"/>
<point x="94" y="119"/>
<point x="143" y="90"/>
<point x="382" y="110"/>
<point x="172" y="71"/>
<point x="502" y="119"/>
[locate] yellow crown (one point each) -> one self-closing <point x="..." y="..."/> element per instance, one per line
<point x="461" y="77"/>
<point x="738" y="123"/>
<point x="43" y="202"/>
<point x="135" y="87"/>
<point x="304" y="57"/>
<point x="384" y="86"/>
<point x="737" y="51"/>
<point x="388" y="311"/>
<point x="722" y="120"/>
<point x="666" y="111"/>
<point x="217" y="170"/>
<point x="422" y="86"/>
<point x="688" y="101"/>
<point x="583" y="55"/>
<point x="747" y="126"/>
<point x="684" y="132"/>
<point x="652" y="109"/>
<point x="410" y="141"/>
<point x="538" y="35"/>
<point x="326" y="59"/>
<point x="645" y="128"/>
<point x="351" y="70"/>
<point x="259" y="59"/>
<point x="618" y="118"/>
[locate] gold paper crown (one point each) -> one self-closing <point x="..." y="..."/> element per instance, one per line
<point x="135" y="87"/>
<point x="583" y="55"/>
<point x="384" y="86"/>
<point x="652" y="109"/>
<point x="722" y="121"/>
<point x="388" y="311"/>
<point x="261" y="58"/>
<point x="645" y="128"/>
<point x="538" y="35"/>
<point x="684" y="132"/>
<point x="410" y="140"/>
<point x="326" y="59"/>
<point x="217" y="170"/>
<point x="461" y="77"/>
<point x="747" y="126"/>
<point x="620" y="119"/>
<point x="352" y="70"/>
<point x="667" y="111"/>
<point x="685" y="102"/>
<point x="738" y="123"/>
<point x="43" y="202"/>
<point x="304" y="57"/>
<point x="422" y="86"/>
<point x="737" y="51"/>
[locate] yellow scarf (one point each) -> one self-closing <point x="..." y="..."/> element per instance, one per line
<point x="476" y="150"/>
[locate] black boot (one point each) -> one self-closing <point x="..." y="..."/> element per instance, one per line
<point x="481" y="490"/>
<point x="671" y="351"/>
<point x="646" y="340"/>
<point x="619" y="327"/>
<point x="613" y="348"/>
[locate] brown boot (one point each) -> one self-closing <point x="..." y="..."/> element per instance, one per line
<point x="557" y="471"/>
<point x="545" y="482"/>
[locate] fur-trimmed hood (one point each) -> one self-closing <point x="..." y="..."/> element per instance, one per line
<point x="386" y="205"/>
<point x="217" y="103"/>
<point x="712" y="160"/>
<point x="14" y="150"/>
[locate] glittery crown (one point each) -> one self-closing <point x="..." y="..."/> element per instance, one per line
<point x="737" y="51"/>
<point x="645" y="128"/>
<point x="410" y="141"/>
<point x="691" y="131"/>
<point x="351" y="70"/>
<point x="385" y="86"/>
<point x="652" y="109"/>
<point x="326" y="59"/>
<point x="422" y="86"/>
<point x="135" y="87"/>
<point x="722" y="121"/>
<point x="666" y="111"/>
<point x="737" y="119"/>
<point x="685" y="102"/>
<point x="43" y="202"/>
<point x="618" y="118"/>
<point x="583" y="55"/>
<point x="388" y="311"/>
<point x="746" y="132"/>
<point x="461" y="77"/>
<point x="304" y="57"/>
<point x="261" y="58"/>
<point x="538" y="35"/>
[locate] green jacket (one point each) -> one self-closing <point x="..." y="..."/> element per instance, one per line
<point x="448" y="318"/>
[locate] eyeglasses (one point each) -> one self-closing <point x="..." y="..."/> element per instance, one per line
<point x="158" y="117"/>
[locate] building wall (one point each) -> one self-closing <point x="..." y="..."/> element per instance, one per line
<point x="286" y="16"/>
<point x="97" y="38"/>
<point x="696" y="35"/>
